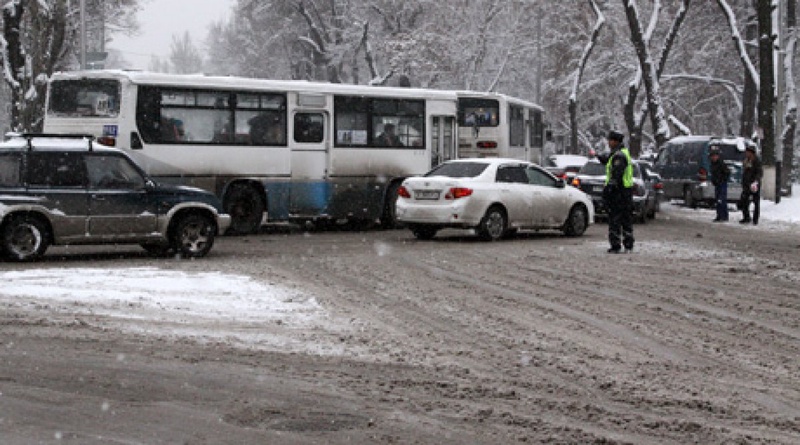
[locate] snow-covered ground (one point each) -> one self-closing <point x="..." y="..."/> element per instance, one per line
<point x="773" y="216"/>
<point x="199" y="303"/>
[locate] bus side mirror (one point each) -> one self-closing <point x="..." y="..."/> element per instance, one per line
<point x="136" y="141"/>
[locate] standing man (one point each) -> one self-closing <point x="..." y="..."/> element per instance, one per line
<point x="618" y="194"/>
<point x="751" y="185"/>
<point x="720" y="173"/>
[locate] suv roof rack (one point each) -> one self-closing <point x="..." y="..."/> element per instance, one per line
<point x="30" y="136"/>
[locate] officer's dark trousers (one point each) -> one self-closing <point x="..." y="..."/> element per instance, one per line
<point x="721" y="201"/>
<point x="744" y="203"/>
<point x="620" y="219"/>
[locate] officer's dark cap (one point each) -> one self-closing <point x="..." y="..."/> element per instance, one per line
<point x="615" y="136"/>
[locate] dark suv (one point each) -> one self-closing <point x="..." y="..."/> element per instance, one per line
<point x="59" y="189"/>
<point x="685" y="168"/>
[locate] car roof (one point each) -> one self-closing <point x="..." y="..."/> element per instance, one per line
<point x="490" y="161"/>
<point x="18" y="142"/>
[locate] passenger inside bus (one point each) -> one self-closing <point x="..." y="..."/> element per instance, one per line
<point x="388" y="138"/>
<point x="172" y="130"/>
<point x="266" y="129"/>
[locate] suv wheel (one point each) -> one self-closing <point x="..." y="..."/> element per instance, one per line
<point x="25" y="238"/>
<point x="193" y="235"/>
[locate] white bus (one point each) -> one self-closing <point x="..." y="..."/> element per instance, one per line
<point x="497" y="125"/>
<point x="271" y="150"/>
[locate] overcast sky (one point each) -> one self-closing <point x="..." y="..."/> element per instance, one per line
<point x="161" y="19"/>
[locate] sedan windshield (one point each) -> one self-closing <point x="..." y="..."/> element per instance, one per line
<point x="458" y="169"/>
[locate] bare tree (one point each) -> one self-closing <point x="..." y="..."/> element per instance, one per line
<point x="36" y="36"/>
<point x="184" y="56"/>
<point x="573" y="97"/>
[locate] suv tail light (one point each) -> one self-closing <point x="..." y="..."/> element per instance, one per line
<point x="658" y="186"/>
<point x="458" y="192"/>
<point x="403" y="191"/>
<point x="702" y="174"/>
<point x="110" y="141"/>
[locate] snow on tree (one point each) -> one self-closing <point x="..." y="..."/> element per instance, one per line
<point x="184" y="57"/>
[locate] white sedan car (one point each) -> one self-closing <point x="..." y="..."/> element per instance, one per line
<point x="494" y="196"/>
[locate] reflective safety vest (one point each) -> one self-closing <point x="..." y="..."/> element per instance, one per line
<point x="627" y="175"/>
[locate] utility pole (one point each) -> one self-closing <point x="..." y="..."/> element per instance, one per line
<point x="83" y="34"/>
<point x="780" y="103"/>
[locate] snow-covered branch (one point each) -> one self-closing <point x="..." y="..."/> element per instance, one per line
<point x="740" y="45"/>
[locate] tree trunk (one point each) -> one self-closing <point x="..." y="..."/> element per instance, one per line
<point x="766" y="94"/>
<point x="790" y="119"/>
<point x="750" y="93"/>
<point x="649" y="76"/>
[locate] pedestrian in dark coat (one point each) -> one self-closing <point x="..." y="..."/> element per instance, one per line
<point x="618" y="194"/>
<point x="752" y="173"/>
<point x="720" y="174"/>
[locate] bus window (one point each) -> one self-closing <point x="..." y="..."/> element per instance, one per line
<point x="398" y="123"/>
<point x="309" y="127"/>
<point x="536" y="129"/>
<point x="516" y="126"/>
<point x="84" y="98"/>
<point x="262" y="117"/>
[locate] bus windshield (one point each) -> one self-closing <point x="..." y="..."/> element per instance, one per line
<point x="84" y="98"/>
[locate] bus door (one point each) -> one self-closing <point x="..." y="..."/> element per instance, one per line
<point x="444" y="144"/>
<point x="310" y="163"/>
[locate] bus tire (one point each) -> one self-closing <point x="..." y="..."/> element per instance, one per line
<point x="246" y="207"/>
<point x="389" y="218"/>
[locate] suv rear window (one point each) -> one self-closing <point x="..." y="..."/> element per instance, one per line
<point x="728" y="152"/>
<point x="9" y="169"/>
<point x="56" y="169"/>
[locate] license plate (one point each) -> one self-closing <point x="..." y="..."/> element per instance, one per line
<point x="597" y="188"/>
<point x="426" y="194"/>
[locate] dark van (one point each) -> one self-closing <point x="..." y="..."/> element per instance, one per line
<point x="684" y="168"/>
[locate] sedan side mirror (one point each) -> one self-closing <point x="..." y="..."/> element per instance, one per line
<point x="560" y="184"/>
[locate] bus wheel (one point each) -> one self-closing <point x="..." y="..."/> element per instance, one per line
<point x="246" y="208"/>
<point x="389" y="218"/>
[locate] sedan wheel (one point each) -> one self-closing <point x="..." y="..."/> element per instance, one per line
<point x="193" y="235"/>
<point x="493" y="225"/>
<point x="576" y="221"/>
